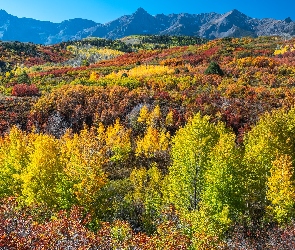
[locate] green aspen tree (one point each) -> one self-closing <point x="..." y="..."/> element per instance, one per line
<point x="273" y="135"/>
<point x="146" y="193"/>
<point x="191" y="147"/>
<point x="222" y="198"/>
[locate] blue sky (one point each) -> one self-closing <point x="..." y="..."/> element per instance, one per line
<point x="103" y="11"/>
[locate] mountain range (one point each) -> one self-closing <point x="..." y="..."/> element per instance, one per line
<point x="206" y="25"/>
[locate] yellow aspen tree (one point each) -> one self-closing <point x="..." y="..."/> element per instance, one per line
<point x="93" y="76"/>
<point x="14" y="158"/>
<point x="118" y="142"/>
<point x="169" y="122"/>
<point x="153" y="142"/>
<point x="281" y="189"/>
<point x="83" y="160"/>
<point x="44" y="172"/>
<point x="143" y="115"/>
<point x="154" y="117"/>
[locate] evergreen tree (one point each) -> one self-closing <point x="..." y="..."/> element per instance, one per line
<point x="214" y="68"/>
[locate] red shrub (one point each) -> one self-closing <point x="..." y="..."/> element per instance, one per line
<point x="25" y="90"/>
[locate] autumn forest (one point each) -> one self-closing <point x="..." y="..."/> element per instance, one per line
<point x="148" y="142"/>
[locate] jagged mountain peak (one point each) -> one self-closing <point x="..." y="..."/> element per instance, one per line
<point x="288" y="20"/>
<point x="140" y="11"/>
<point x="3" y="11"/>
<point x="235" y="14"/>
<point x="4" y="14"/>
<point x="141" y="14"/>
